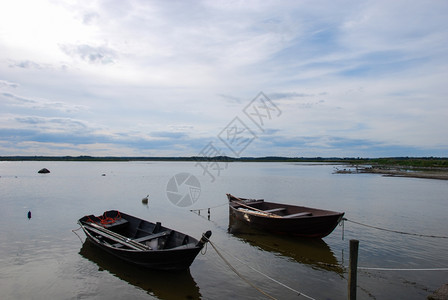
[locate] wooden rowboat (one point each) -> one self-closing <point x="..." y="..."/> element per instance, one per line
<point x="141" y="242"/>
<point x="284" y="218"/>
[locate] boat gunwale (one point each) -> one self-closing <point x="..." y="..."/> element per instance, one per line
<point x="110" y="246"/>
<point x="191" y="245"/>
<point x="235" y="204"/>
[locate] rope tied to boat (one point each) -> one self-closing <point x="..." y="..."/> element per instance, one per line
<point x="208" y="208"/>
<point x="240" y="275"/>
<point x="215" y="247"/>
<point x="396" y="231"/>
<point x="204" y="249"/>
<point x="74" y="231"/>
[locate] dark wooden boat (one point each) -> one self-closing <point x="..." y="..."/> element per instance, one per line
<point x="141" y="242"/>
<point x="284" y="218"/>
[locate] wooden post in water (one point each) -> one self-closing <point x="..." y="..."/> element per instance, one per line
<point x="352" y="269"/>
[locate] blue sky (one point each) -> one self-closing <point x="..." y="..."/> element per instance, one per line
<point x="178" y="78"/>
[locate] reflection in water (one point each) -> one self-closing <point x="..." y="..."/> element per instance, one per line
<point x="162" y="284"/>
<point x="313" y="252"/>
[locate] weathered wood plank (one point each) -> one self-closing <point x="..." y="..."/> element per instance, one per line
<point x="152" y="236"/>
<point x="275" y="210"/>
<point x="301" y="214"/>
<point x="118" y="238"/>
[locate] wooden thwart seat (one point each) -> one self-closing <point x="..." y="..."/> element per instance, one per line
<point x="143" y="230"/>
<point x="301" y="214"/>
<point x="275" y="210"/>
<point x="152" y="236"/>
<point x="146" y="238"/>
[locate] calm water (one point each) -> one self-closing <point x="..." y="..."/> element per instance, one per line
<point x="41" y="258"/>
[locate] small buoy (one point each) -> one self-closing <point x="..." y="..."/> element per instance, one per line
<point x="29" y="214"/>
<point x="145" y="200"/>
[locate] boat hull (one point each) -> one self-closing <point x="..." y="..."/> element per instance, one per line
<point x="170" y="260"/>
<point x="178" y="254"/>
<point x="318" y="224"/>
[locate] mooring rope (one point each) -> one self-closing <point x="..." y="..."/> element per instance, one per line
<point x="392" y="269"/>
<point x="384" y="269"/>
<point x="396" y="231"/>
<point x="216" y="206"/>
<point x="218" y="225"/>
<point x="239" y="274"/>
<point x="74" y="231"/>
<point x="259" y="272"/>
<point x="203" y="252"/>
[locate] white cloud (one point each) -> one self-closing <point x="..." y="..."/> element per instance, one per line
<point x="10" y="99"/>
<point x="371" y="71"/>
<point x="7" y="84"/>
<point x="90" y="54"/>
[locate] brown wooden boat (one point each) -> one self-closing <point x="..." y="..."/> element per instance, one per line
<point x="284" y="218"/>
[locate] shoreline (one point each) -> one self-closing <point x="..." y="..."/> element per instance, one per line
<point x="413" y="167"/>
<point x="394" y="171"/>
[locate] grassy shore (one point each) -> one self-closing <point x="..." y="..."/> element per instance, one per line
<point x="429" y="168"/>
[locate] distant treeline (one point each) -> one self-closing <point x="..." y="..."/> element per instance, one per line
<point x="180" y="158"/>
<point x="424" y="162"/>
<point x="421" y="162"/>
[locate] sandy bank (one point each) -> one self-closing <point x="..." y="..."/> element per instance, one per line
<point x="433" y="173"/>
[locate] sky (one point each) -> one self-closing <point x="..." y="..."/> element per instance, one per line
<point x="238" y="78"/>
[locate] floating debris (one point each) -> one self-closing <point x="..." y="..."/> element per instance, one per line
<point x="145" y="200"/>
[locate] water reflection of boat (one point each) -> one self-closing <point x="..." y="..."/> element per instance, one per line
<point x="313" y="252"/>
<point x="161" y="284"/>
